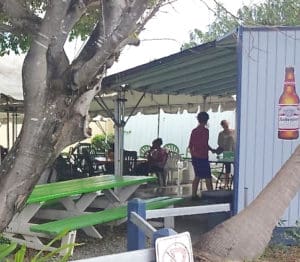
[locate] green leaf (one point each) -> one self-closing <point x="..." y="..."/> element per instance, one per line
<point x="20" y="255"/>
<point x="6" y="249"/>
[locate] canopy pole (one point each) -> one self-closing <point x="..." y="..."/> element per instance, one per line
<point x="16" y="122"/>
<point x="119" y="132"/>
<point x="13" y="131"/>
<point x="158" y="121"/>
<point x="7" y="129"/>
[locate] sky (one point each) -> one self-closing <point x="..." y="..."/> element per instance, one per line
<point x="171" y="26"/>
<point x="168" y="30"/>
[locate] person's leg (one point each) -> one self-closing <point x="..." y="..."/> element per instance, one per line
<point x="196" y="180"/>
<point x="209" y="185"/>
<point x="195" y="186"/>
<point x="207" y="174"/>
<point x="160" y="175"/>
<point x="164" y="176"/>
<point x="227" y="174"/>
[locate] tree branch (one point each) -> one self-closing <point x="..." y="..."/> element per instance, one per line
<point x="222" y="7"/>
<point x="69" y="18"/>
<point x="226" y="10"/>
<point x="38" y="53"/>
<point x="86" y="70"/>
<point x="19" y="17"/>
<point x="112" y="13"/>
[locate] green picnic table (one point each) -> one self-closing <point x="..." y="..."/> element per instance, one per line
<point x="57" y="190"/>
<point x="67" y="199"/>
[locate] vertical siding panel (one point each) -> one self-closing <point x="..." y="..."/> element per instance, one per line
<point x="270" y="107"/>
<point x="292" y="211"/>
<point x="297" y="66"/>
<point x="279" y="145"/>
<point x="251" y="113"/>
<point x="260" y="106"/>
<point x="243" y="153"/>
<point x="274" y="111"/>
<point x="279" y="77"/>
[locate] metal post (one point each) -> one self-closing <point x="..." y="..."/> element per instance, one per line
<point x="7" y="130"/>
<point x="16" y="115"/>
<point x="13" y="129"/>
<point x="119" y="132"/>
<point x="136" y="238"/>
<point x="158" y="121"/>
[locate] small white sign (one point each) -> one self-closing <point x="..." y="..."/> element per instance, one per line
<point x="175" y="248"/>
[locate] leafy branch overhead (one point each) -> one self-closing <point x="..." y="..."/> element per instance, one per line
<point x="268" y="13"/>
<point x="16" y="29"/>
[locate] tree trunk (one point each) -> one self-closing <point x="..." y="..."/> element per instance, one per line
<point x="246" y="235"/>
<point x="61" y="119"/>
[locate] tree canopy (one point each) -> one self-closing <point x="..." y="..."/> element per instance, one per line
<point x="268" y="13"/>
<point x="19" y="41"/>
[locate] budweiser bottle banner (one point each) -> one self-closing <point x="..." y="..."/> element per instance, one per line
<point x="289" y="108"/>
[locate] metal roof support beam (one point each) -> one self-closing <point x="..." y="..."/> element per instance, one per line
<point x="103" y="105"/>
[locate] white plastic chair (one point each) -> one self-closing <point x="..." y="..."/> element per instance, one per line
<point x="174" y="165"/>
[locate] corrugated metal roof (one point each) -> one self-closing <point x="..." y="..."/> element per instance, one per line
<point x="208" y="69"/>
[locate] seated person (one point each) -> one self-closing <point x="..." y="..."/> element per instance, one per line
<point x="109" y="166"/>
<point x="3" y="151"/>
<point x="156" y="160"/>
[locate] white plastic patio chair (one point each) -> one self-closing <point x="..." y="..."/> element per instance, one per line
<point x="174" y="165"/>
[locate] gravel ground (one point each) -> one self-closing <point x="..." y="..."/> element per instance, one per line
<point x="114" y="241"/>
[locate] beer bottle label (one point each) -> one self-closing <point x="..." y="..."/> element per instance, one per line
<point x="288" y="117"/>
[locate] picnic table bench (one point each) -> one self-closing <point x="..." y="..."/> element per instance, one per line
<point x="69" y="199"/>
<point x="100" y="217"/>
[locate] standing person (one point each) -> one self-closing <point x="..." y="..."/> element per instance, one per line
<point x="199" y="148"/>
<point x="226" y="142"/>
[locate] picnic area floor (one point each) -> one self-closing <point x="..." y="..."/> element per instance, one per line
<point x="114" y="237"/>
<point x="115" y="241"/>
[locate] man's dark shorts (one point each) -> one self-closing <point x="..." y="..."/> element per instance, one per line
<point x="201" y="167"/>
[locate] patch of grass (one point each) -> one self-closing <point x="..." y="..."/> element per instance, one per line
<point x="280" y="254"/>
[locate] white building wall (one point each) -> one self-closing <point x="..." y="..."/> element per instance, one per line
<point x="265" y="55"/>
<point x="174" y="128"/>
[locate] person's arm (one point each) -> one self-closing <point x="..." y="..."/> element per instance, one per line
<point x="211" y="149"/>
<point x="234" y="139"/>
<point x="191" y="146"/>
<point x="219" y="149"/>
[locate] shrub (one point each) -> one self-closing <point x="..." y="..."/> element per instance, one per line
<point x="102" y="143"/>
